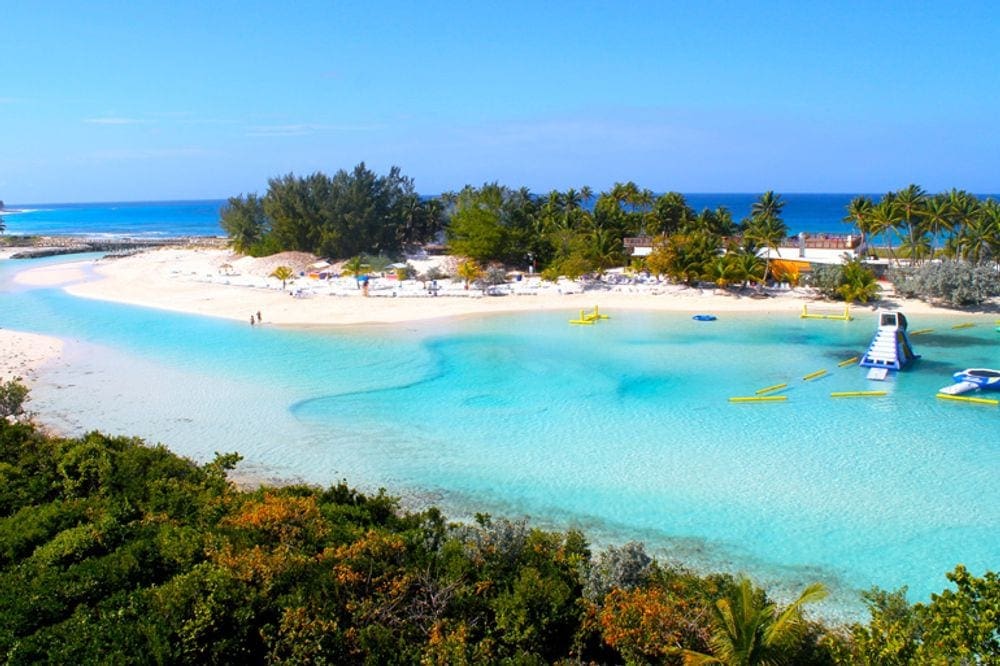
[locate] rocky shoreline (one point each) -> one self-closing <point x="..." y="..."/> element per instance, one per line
<point x="47" y="246"/>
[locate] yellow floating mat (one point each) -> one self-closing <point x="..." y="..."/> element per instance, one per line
<point x="922" y="331"/>
<point x="853" y="359"/>
<point x="771" y="389"/>
<point x="962" y="398"/>
<point x="857" y="394"/>
<point x="814" y="375"/>
<point x="759" y="398"/>
<point x="589" y="317"/>
<point x="967" y="324"/>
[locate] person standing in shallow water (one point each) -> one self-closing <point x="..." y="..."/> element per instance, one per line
<point x="251" y="320"/>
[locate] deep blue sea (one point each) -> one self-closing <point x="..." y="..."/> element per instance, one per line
<point x="811" y="213"/>
<point x="143" y="219"/>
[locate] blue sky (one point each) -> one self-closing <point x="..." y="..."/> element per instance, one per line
<point x="155" y="100"/>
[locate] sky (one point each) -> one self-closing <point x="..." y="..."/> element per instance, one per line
<point x="146" y="100"/>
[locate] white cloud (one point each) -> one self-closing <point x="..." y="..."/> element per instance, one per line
<point x="119" y="155"/>
<point x="304" y="129"/>
<point x="113" y="120"/>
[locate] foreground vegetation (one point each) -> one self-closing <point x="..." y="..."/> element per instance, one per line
<point x="112" y="551"/>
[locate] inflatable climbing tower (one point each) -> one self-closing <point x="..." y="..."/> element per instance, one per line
<point x="890" y="348"/>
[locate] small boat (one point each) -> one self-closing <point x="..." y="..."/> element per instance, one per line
<point x="704" y="317"/>
<point x="972" y="379"/>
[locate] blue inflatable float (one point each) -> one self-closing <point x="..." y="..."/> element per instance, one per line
<point x="704" y="317"/>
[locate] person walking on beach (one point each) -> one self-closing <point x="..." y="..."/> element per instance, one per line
<point x="259" y="319"/>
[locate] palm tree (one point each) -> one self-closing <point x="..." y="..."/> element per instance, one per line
<point x="685" y="257"/>
<point x="859" y="212"/>
<point x="911" y="202"/>
<point x="746" y="266"/>
<point x="723" y="271"/>
<point x="671" y="214"/>
<point x="766" y="228"/>
<point x="990" y="213"/>
<point x="622" y="192"/>
<point x="356" y="267"/>
<point x="917" y="247"/>
<point x="938" y="218"/>
<point x="412" y="213"/>
<point x="748" y="629"/>
<point x="974" y="241"/>
<point x="859" y="283"/>
<point x="883" y="219"/>
<point x="769" y="205"/>
<point x="964" y="206"/>
<point x="283" y="273"/>
<point x="555" y="202"/>
<point x="433" y="218"/>
<point x="571" y="200"/>
<point x="603" y="249"/>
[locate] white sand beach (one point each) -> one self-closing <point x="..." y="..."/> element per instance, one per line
<point x="21" y="354"/>
<point x="217" y="283"/>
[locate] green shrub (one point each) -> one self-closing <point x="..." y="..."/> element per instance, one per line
<point x="12" y="396"/>
<point x="955" y="283"/>
<point x="849" y="281"/>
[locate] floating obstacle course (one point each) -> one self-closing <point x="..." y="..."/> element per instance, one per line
<point x="890" y="348"/>
<point x="843" y="316"/>
<point x="759" y="398"/>
<point x="965" y="398"/>
<point x="589" y="318"/>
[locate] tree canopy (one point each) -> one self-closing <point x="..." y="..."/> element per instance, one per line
<point x="577" y="232"/>
<point x="349" y="214"/>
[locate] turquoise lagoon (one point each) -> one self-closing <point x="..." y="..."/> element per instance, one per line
<point x="622" y="429"/>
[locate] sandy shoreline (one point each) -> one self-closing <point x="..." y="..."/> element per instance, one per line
<point x="22" y="354"/>
<point x="216" y="283"/>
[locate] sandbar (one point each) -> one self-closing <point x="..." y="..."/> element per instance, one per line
<point x="22" y="354"/>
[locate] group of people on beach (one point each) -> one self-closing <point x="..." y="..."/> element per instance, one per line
<point x="259" y="320"/>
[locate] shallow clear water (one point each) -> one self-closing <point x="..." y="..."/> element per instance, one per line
<point x="623" y="429"/>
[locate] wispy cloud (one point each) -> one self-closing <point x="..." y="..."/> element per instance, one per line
<point x="113" y="120"/>
<point x="304" y="129"/>
<point x="119" y="155"/>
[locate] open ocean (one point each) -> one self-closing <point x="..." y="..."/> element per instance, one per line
<point x="811" y="213"/>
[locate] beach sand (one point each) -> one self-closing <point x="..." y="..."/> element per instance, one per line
<point x="216" y="283"/>
<point x="22" y="354"/>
